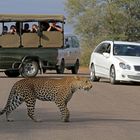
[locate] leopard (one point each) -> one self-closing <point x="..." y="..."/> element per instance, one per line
<point x="58" y="90"/>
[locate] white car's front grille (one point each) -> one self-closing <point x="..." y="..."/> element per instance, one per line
<point x="137" y="68"/>
<point x="134" y="77"/>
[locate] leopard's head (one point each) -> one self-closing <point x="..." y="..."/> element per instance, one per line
<point x="82" y="83"/>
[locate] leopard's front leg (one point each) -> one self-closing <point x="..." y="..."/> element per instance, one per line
<point x="31" y="108"/>
<point x="64" y="111"/>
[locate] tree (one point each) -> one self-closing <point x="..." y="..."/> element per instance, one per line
<point x="125" y="19"/>
<point x="85" y="17"/>
<point x="96" y="20"/>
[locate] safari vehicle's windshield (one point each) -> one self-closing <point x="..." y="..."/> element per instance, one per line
<point x="31" y="30"/>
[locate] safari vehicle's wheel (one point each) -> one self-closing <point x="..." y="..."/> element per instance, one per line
<point x="12" y="73"/>
<point x="29" y="69"/>
<point x="60" y="69"/>
<point x="44" y="70"/>
<point x="113" y="75"/>
<point x="75" y="68"/>
<point x="92" y="74"/>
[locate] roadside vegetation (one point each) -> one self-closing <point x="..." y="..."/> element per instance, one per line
<point x="98" y="20"/>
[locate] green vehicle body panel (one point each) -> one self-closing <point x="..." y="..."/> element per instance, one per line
<point x="8" y="56"/>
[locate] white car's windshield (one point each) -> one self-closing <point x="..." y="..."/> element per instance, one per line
<point x="126" y="50"/>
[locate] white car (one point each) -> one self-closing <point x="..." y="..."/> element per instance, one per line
<point x="116" y="60"/>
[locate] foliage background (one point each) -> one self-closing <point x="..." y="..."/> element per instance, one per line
<point x="98" y="20"/>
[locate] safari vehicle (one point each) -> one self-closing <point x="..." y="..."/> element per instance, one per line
<point x="28" y="53"/>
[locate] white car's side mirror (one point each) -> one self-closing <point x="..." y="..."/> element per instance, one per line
<point x="106" y="55"/>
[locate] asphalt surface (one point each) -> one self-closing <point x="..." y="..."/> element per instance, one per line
<point x="107" y="112"/>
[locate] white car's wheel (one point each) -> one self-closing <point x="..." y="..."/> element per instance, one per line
<point x="92" y="74"/>
<point x="112" y="75"/>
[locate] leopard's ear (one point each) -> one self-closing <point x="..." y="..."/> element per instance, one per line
<point x="77" y="77"/>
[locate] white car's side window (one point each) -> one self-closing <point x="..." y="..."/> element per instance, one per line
<point x="105" y="47"/>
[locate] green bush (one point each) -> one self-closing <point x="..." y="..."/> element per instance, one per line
<point x="85" y="56"/>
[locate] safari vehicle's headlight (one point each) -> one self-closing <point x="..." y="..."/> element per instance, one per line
<point x="124" y="66"/>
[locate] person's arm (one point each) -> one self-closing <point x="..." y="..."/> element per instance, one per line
<point x="58" y="28"/>
<point x="49" y="28"/>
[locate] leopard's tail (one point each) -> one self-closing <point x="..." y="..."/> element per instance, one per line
<point x="3" y="111"/>
<point x="6" y="107"/>
<point x="8" y="102"/>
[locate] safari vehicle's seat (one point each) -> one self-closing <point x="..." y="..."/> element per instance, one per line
<point x="52" y="39"/>
<point x="30" y="40"/>
<point x="9" y="41"/>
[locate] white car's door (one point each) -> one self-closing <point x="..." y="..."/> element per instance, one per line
<point x="102" y="60"/>
<point x="106" y="64"/>
<point x="98" y="58"/>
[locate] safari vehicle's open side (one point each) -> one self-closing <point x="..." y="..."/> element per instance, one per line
<point x="26" y="53"/>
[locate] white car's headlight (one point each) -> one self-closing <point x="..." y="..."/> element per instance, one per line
<point x="124" y="66"/>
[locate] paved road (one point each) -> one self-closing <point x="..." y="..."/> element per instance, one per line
<point x="108" y="112"/>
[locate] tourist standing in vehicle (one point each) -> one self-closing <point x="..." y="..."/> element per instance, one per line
<point x="54" y="27"/>
<point x="5" y="30"/>
<point x="26" y="28"/>
<point x="34" y="28"/>
<point x="12" y="29"/>
<point x="44" y="25"/>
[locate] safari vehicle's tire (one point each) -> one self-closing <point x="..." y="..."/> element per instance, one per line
<point x="92" y="74"/>
<point x="29" y="69"/>
<point x="75" y="68"/>
<point x="113" y="76"/>
<point x="61" y="68"/>
<point x="12" y="73"/>
<point x="44" y="70"/>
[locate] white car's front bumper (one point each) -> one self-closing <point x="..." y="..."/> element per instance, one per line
<point x="128" y="75"/>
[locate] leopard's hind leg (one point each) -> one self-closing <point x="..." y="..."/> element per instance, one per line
<point x="15" y="101"/>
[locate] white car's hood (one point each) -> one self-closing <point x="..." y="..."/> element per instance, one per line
<point x="129" y="59"/>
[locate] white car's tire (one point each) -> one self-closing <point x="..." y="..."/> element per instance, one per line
<point x="92" y="74"/>
<point x="113" y="75"/>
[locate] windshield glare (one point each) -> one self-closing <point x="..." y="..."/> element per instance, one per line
<point x="126" y="50"/>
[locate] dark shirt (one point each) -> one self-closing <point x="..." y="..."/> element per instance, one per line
<point x="54" y="29"/>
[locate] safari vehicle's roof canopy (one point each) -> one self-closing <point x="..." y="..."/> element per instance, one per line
<point x="27" y="17"/>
